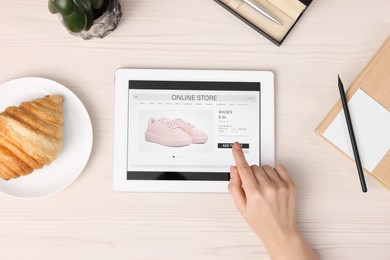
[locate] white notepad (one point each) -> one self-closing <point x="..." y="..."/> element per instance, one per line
<point x="371" y="124"/>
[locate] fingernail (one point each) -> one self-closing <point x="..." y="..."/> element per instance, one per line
<point x="232" y="171"/>
<point x="237" y="145"/>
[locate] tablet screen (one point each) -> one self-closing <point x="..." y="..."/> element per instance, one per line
<point x="184" y="130"/>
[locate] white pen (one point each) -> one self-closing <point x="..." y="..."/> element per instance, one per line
<point x="263" y="12"/>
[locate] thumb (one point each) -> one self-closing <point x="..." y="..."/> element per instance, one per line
<point x="235" y="188"/>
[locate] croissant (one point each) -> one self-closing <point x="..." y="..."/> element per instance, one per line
<point x="30" y="136"/>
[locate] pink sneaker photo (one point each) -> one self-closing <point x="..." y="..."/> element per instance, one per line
<point x="166" y="132"/>
<point x="197" y="136"/>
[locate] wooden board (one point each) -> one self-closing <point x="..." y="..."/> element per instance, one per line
<point x="375" y="81"/>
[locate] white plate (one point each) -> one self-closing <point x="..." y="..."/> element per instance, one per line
<point x="77" y="139"/>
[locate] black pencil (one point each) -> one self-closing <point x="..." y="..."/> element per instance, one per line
<point x="352" y="136"/>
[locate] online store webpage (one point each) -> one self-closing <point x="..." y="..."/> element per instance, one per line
<point x="191" y="126"/>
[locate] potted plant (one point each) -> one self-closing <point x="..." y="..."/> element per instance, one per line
<point x="87" y="18"/>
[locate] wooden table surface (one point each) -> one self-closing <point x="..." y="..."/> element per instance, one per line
<point x="88" y="220"/>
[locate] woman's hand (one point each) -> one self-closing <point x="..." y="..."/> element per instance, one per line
<point x="266" y="199"/>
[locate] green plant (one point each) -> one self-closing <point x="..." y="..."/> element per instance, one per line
<point x="78" y="15"/>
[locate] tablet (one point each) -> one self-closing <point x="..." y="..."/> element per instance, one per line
<point x="174" y="129"/>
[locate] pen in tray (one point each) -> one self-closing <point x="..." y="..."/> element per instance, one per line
<point x="259" y="9"/>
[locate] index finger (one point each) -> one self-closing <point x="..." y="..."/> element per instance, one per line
<point x="244" y="170"/>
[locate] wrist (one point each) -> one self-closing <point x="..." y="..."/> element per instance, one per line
<point x="290" y="246"/>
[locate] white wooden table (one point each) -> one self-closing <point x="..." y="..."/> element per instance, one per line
<point x="89" y="220"/>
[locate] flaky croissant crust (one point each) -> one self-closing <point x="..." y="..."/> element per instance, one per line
<point x="30" y="136"/>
